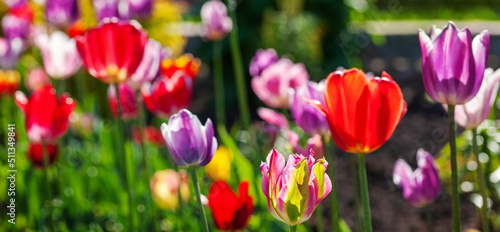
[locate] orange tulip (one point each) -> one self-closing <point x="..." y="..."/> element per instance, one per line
<point x="362" y="113"/>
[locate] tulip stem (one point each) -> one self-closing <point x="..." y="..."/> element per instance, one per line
<point x="363" y="184"/>
<point x="482" y="184"/>
<point x="293" y="228"/>
<point x="334" y="197"/>
<point x="238" y="67"/>
<point x="198" y="198"/>
<point x="355" y="189"/>
<point x="147" y="171"/>
<point x="49" y="198"/>
<point x="454" y="171"/>
<point x="429" y="218"/>
<point x="121" y="148"/>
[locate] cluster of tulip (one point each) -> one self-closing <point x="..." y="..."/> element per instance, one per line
<point x="359" y="111"/>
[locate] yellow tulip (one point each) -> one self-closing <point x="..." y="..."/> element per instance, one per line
<point x="220" y="166"/>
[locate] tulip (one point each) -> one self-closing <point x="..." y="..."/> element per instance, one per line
<point x="308" y="117"/>
<point x="14" y="3"/>
<point x="127" y="101"/>
<point x="295" y="190"/>
<point x="24" y="11"/>
<point x="36" y="78"/>
<point x="273" y="84"/>
<point x="60" y="56"/>
<point x="76" y="29"/>
<point x="35" y="153"/>
<point x="362" y="113"/>
<point x="274" y="118"/>
<point x="262" y="60"/>
<point x="315" y="143"/>
<point x="166" y="186"/>
<point x="216" y="23"/>
<point x="61" y="13"/>
<point x="420" y="187"/>
<point x="168" y="94"/>
<point x="140" y="9"/>
<point x="149" y="66"/>
<point x="475" y="111"/>
<point x="230" y="211"/>
<point x="10" y="52"/>
<point x="151" y="135"/>
<point x="9" y="82"/>
<point x="112" y="51"/>
<point x="47" y="118"/>
<point x="106" y="9"/>
<point x="189" y="142"/>
<point x="220" y="166"/>
<point x="187" y="63"/>
<point x="15" y="27"/>
<point x="453" y="63"/>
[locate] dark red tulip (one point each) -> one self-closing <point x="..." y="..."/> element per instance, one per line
<point x="230" y="211"/>
<point x="151" y="135"/>
<point x="35" y="153"/>
<point x="168" y="94"/>
<point x="113" y="50"/>
<point x="47" y="118"/>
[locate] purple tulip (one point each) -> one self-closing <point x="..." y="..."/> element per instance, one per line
<point x="15" y="27"/>
<point x="216" y="23"/>
<point x="140" y="8"/>
<point x="150" y="65"/>
<point x="262" y="60"/>
<point x="60" y="56"/>
<point x="273" y="84"/>
<point x="10" y="52"/>
<point x="420" y="187"/>
<point x="106" y="8"/>
<point x="308" y="117"/>
<point x="62" y="13"/>
<point x="315" y="143"/>
<point x="14" y="3"/>
<point x="189" y="142"/>
<point x="475" y="111"/>
<point x="453" y="63"/>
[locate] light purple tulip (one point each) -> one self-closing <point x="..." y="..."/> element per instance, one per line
<point x="106" y="8"/>
<point x="262" y="60"/>
<point x="274" y="118"/>
<point x="475" y="111"/>
<point x="453" y="63"/>
<point x="420" y="187"/>
<point x="216" y="23"/>
<point x="150" y="65"/>
<point x="273" y="84"/>
<point x="308" y="117"/>
<point x="14" y="3"/>
<point x="15" y="27"/>
<point x="10" y="52"/>
<point x="315" y="143"/>
<point x="140" y="8"/>
<point x="293" y="191"/>
<point x="62" y="13"/>
<point x="188" y="141"/>
<point x="60" y="56"/>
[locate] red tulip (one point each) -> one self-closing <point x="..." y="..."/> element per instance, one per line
<point x="9" y="82"/>
<point x="113" y="50"/>
<point x="35" y="153"/>
<point x="229" y="211"/>
<point x="362" y="113"/>
<point x="151" y="135"/>
<point x="168" y="94"/>
<point x="127" y="99"/>
<point x="187" y="63"/>
<point x="47" y="118"/>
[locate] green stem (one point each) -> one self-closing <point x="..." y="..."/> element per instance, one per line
<point x="482" y="184"/>
<point x="121" y="148"/>
<point x="454" y="170"/>
<point x="145" y="158"/>
<point x="430" y="227"/>
<point x="198" y="198"/>
<point x="238" y="67"/>
<point x="363" y="184"/>
<point x="355" y="189"/>
<point x="49" y="198"/>
<point x="293" y="228"/>
<point x="334" y="197"/>
<point x="319" y="218"/>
